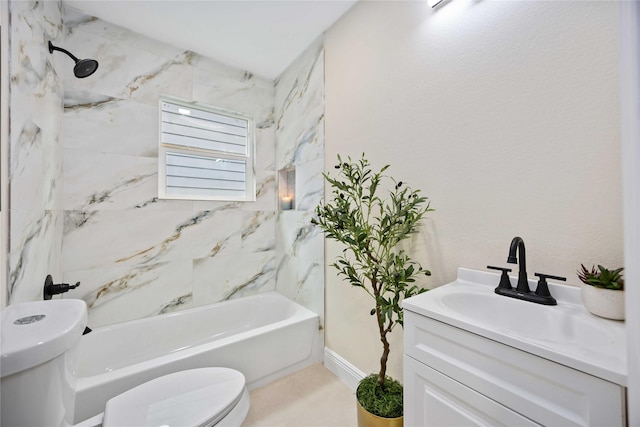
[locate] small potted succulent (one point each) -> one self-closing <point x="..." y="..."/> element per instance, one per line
<point x="371" y="214"/>
<point x="603" y="291"/>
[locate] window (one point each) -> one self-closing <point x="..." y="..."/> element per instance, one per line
<point x="205" y="153"/>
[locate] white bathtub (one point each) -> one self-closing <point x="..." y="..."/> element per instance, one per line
<point x="264" y="337"/>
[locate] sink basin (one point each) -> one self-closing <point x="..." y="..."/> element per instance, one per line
<point x="565" y="333"/>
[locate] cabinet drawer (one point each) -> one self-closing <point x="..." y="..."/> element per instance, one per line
<point x="537" y="388"/>
<point x="433" y="399"/>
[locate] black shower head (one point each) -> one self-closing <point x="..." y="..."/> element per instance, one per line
<point x="83" y="68"/>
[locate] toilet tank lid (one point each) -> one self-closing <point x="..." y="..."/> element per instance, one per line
<point x="35" y="332"/>
<point x="194" y="397"/>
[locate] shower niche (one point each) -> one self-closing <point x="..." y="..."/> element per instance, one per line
<point x="287" y="189"/>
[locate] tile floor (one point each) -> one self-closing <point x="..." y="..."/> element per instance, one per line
<point x="312" y="397"/>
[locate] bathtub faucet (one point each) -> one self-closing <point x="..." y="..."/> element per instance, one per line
<point x="51" y="289"/>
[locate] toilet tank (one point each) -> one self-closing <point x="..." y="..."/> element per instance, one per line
<point x="38" y="359"/>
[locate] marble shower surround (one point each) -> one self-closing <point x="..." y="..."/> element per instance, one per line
<point x="138" y="256"/>
<point x="299" y="107"/>
<point x="35" y="148"/>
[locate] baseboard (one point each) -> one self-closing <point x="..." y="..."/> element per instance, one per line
<point x="341" y="368"/>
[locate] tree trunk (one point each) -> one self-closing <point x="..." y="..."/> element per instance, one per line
<point x="385" y="351"/>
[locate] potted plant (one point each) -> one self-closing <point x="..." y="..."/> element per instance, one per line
<point x="371" y="214"/>
<point x="603" y="291"/>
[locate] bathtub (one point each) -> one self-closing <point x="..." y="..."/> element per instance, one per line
<point x="264" y="336"/>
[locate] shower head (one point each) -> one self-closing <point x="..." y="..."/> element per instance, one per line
<point x="83" y="68"/>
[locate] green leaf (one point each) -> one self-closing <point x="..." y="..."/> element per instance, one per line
<point x="371" y="214"/>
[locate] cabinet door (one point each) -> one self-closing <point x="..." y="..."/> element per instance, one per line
<point x="537" y="388"/>
<point x="434" y="399"/>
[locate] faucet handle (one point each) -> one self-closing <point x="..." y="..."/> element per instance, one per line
<point x="543" y="288"/>
<point x="505" y="283"/>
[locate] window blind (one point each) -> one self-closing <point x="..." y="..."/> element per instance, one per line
<point x="205" y="176"/>
<point x="206" y="154"/>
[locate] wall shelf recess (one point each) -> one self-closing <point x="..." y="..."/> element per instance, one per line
<point x="287" y="189"/>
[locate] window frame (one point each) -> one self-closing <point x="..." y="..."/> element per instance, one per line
<point x="164" y="148"/>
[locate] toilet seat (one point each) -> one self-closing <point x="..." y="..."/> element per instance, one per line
<point x="196" y="397"/>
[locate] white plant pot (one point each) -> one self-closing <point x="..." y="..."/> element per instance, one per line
<point x="607" y="303"/>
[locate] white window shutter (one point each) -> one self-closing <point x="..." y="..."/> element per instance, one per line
<point x="205" y="153"/>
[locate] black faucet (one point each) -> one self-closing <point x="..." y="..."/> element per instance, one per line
<point x="517" y="244"/>
<point x="522" y="291"/>
<point x="51" y="289"/>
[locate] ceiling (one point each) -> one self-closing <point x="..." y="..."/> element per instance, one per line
<point x="260" y="36"/>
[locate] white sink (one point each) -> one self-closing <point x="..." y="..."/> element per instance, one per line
<point x="565" y="333"/>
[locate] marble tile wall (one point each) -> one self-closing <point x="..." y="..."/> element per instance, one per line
<point x="135" y="255"/>
<point x="35" y="148"/>
<point x="299" y="114"/>
<point x="84" y="174"/>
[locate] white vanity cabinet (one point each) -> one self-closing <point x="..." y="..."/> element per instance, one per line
<point x="458" y="377"/>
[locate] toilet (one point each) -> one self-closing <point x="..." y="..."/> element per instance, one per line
<point x="38" y="360"/>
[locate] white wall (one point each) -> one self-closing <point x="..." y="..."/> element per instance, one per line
<point x="506" y="114"/>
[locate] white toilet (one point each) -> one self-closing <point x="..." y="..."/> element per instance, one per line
<point x="39" y="351"/>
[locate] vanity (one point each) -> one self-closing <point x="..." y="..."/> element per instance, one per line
<point x="476" y="358"/>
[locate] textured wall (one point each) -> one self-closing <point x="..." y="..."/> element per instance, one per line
<point x="134" y="254"/>
<point x="35" y="148"/>
<point x="506" y="114"/>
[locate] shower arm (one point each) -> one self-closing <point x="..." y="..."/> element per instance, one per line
<point x="52" y="48"/>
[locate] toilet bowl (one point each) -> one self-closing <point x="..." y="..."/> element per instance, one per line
<point x="38" y="362"/>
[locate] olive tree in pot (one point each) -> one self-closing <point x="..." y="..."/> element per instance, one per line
<point x="371" y="213"/>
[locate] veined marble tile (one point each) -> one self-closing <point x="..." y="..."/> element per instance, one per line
<point x="265" y="146"/>
<point x="115" y="226"/>
<point x="299" y="115"/>
<point x="35" y="251"/>
<point x="33" y="24"/>
<point x="265" y="193"/>
<point x="295" y="81"/>
<point x="213" y="66"/>
<point x="35" y="148"/>
<point x="258" y="231"/>
<point x="310" y="262"/>
<point x="107" y="238"/>
<point x="210" y="233"/>
<point x="138" y="237"/>
<point x="101" y="123"/>
<point x="35" y="216"/>
<point x="251" y="95"/>
<point x="222" y="278"/>
<point x="309" y="185"/>
<point x="26" y="173"/>
<point x="300" y="109"/>
<point x="126" y="71"/>
<point x="104" y="181"/>
<point x="301" y="278"/>
<point x="155" y="204"/>
<point x="75" y="20"/>
<point x="121" y="293"/>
